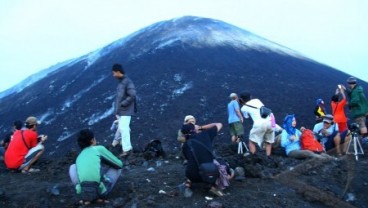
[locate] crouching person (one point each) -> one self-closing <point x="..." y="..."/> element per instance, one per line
<point x="198" y="151"/>
<point x="25" y="148"/>
<point x="96" y="170"/>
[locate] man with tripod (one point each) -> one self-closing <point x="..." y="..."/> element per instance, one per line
<point x="358" y="106"/>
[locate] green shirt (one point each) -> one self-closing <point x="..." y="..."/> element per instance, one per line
<point x="89" y="165"/>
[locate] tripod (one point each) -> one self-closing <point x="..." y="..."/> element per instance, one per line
<point x="358" y="150"/>
<point x="242" y="144"/>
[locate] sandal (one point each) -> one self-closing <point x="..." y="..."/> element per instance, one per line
<point x="81" y="202"/>
<point x="216" y="192"/>
<point x="188" y="184"/>
<point x="102" y="201"/>
<point x="31" y="170"/>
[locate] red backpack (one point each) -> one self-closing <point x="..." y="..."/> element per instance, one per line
<point x="308" y="142"/>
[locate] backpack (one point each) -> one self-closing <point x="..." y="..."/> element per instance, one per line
<point x="265" y="112"/>
<point x="155" y="147"/>
<point x="308" y="142"/>
<point x="208" y="171"/>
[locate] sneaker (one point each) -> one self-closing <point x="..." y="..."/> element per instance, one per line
<point x="115" y="142"/>
<point x="125" y="153"/>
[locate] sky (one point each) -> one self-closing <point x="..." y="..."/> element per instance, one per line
<point x="36" y="34"/>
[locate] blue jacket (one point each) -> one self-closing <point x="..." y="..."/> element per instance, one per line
<point x="288" y="144"/>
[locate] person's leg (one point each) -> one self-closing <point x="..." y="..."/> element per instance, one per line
<point x="255" y="137"/>
<point x="113" y="176"/>
<point x="337" y="140"/>
<point x="233" y="133"/>
<point x="239" y="131"/>
<point x="32" y="156"/>
<point x="345" y="138"/>
<point x="268" y="148"/>
<point x="302" y="154"/>
<point x="73" y="174"/>
<point x="362" y="126"/>
<point x="124" y="122"/>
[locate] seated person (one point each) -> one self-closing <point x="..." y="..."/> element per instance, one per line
<point x="290" y="140"/>
<point x="327" y="132"/>
<point x="25" y="148"/>
<point x="319" y="110"/>
<point x="17" y="125"/>
<point x="197" y="153"/>
<point x="95" y="171"/>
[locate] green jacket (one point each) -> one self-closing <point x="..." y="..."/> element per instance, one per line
<point x="89" y="165"/>
<point x="357" y="102"/>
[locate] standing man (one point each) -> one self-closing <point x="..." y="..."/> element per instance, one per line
<point x="235" y="118"/>
<point x="125" y="106"/>
<point x="358" y="106"/>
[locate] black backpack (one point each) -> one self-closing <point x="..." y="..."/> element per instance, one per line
<point x="208" y="171"/>
<point x="155" y="147"/>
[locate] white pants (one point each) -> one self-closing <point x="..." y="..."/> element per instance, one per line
<point x="124" y="122"/>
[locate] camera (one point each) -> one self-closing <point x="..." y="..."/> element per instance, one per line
<point x="339" y="86"/>
<point x="354" y="127"/>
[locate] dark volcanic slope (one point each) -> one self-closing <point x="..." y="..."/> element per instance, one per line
<point x="182" y="66"/>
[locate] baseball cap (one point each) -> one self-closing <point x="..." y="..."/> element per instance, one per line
<point x="188" y="117"/>
<point x="32" y="120"/>
<point x="233" y="95"/>
<point x="328" y="118"/>
<point x="351" y="80"/>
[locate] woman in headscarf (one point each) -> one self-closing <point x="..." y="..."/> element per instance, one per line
<point x="290" y="140"/>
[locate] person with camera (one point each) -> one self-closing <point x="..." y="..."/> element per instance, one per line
<point x="25" y="148"/>
<point x="327" y="132"/>
<point x="235" y="118"/>
<point x="358" y="106"/>
<point x="338" y="102"/>
<point x="198" y="149"/>
<point x="263" y="128"/>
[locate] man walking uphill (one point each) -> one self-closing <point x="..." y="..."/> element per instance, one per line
<point x="125" y="106"/>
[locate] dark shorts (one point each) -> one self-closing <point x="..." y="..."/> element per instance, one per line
<point x="330" y="144"/>
<point x="236" y="129"/>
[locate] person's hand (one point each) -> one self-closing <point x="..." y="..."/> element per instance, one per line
<point x="43" y="138"/>
<point x="292" y="137"/>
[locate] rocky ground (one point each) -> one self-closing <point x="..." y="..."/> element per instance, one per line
<point x="155" y="182"/>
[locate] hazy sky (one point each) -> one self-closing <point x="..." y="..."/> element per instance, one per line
<point x="35" y="34"/>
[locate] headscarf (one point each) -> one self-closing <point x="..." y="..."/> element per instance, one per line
<point x="288" y="126"/>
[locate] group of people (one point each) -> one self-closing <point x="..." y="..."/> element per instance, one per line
<point x="331" y="130"/>
<point x="97" y="170"/>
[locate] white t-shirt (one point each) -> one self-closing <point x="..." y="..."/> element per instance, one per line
<point x="254" y="113"/>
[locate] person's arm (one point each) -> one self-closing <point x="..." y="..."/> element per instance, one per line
<point x="285" y="141"/>
<point x="131" y="94"/>
<point x="207" y="126"/>
<point x="108" y="158"/>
